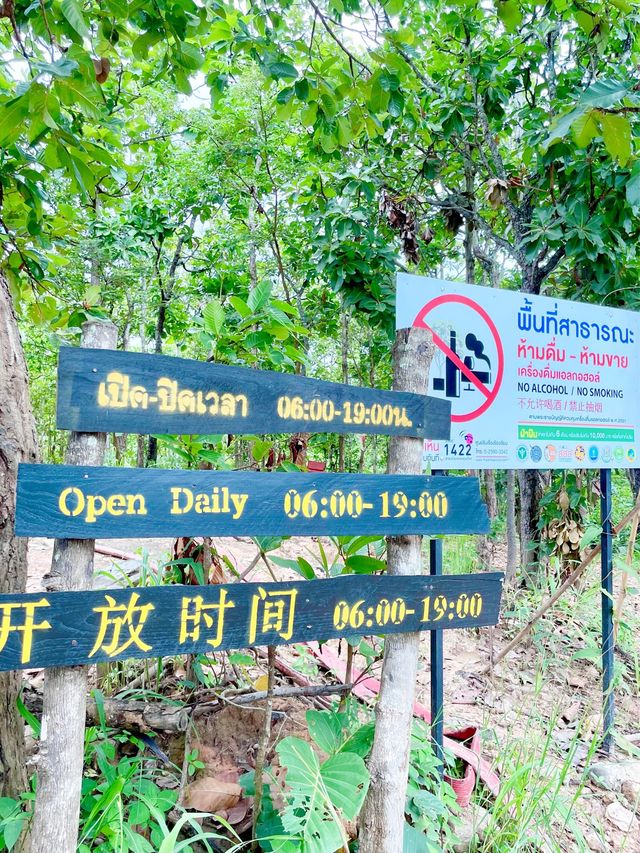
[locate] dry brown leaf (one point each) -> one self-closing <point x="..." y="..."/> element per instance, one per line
<point x="210" y="794"/>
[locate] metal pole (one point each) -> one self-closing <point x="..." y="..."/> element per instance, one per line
<point x="437" y="664"/>
<point x="606" y="574"/>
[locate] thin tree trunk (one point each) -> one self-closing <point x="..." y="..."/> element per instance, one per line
<point x="18" y="443"/>
<point x="512" y="539"/>
<point x="382" y="820"/>
<point x="61" y="755"/>
<point x="166" y="292"/>
<point x="530" y="494"/>
<point x="344" y="355"/>
<point x="491" y="493"/>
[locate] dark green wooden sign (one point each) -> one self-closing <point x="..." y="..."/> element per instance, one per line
<point x="111" y="391"/>
<point x="72" y="628"/>
<point x="75" y="502"/>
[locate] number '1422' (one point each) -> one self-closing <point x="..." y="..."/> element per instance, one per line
<point x="457" y="449"/>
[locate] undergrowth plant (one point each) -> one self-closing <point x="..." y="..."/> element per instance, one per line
<point x="325" y="785"/>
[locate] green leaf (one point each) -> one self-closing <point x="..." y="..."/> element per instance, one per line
<point x="63" y="67"/>
<point x="283" y="70"/>
<point x="92" y="295"/>
<point x="633" y="185"/>
<point x="73" y="13"/>
<point x="32" y="721"/>
<point x="318" y="792"/>
<point x="347" y="780"/>
<point x="587" y="653"/>
<point x="78" y="92"/>
<point x="326" y="730"/>
<point x="623" y="6"/>
<point x="302" y="567"/>
<point x="12" y="113"/>
<point x="414" y="841"/>
<point x="345" y="134"/>
<point x="616" y="131"/>
<point x="259" y="296"/>
<point x="189" y="56"/>
<point x="585" y="128"/>
<point x="260" y="448"/>
<point x="11" y="832"/>
<point x="562" y="126"/>
<point x="363" y="565"/>
<point x="510" y="14"/>
<point x="361" y="741"/>
<point x="302" y="89"/>
<point x="241" y="306"/>
<point x="604" y="93"/>
<point x="214" y="317"/>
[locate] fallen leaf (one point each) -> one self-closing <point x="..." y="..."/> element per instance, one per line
<point x="210" y="794"/>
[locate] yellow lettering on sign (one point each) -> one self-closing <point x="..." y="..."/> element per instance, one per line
<point x="220" y="501"/>
<point x="195" y="614"/>
<point x="272" y="611"/>
<point x="119" y="619"/>
<point x="73" y="502"/>
<point x="27" y="627"/>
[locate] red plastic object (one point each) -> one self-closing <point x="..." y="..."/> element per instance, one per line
<point x="463" y="788"/>
<point x="314" y="465"/>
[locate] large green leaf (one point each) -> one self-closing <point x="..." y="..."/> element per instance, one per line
<point x="213" y="316"/>
<point x="72" y="11"/>
<point x="616" y="131"/>
<point x="259" y="296"/>
<point x="604" y="93"/>
<point x="12" y="114"/>
<point x="585" y="128"/>
<point x="510" y="14"/>
<point x="319" y="792"/>
<point x="326" y="730"/>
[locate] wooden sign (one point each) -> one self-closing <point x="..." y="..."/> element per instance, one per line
<point x="76" y="502"/>
<point x="111" y="391"/>
<point x="74" y="628"/>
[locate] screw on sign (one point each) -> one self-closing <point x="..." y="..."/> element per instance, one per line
<point x="470" y="365"/>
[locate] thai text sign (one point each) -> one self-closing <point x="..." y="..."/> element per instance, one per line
<point x="110" y="391"/>
<point x="74" y="628"/>
<point x="534" y="381"/>
<point x="76" y="502"/>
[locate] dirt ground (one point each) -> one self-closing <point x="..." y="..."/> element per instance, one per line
<point x="537" y="691"/>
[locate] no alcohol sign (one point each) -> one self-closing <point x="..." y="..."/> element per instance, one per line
<point x="469" y="363"/>
<point x="533" y="381"/>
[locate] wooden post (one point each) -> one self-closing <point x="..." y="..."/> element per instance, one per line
<point x="61" y="755"/>
<point x="382" y="820"/>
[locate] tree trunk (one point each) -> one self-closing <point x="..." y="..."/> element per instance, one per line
<point x="382" y="821"/>
<point x="530" y="494"/>
<point x="491" y="493"/>
<point x="61" y="755"/>
<point x="512" y="539"/>
<point x="344" y="357"/>
<point x="18" y="443"/>
<point x="633" y="475"/>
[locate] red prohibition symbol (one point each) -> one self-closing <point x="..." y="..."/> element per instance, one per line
<point x="489" y="394"/>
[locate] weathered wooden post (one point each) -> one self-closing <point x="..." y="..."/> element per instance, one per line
<point x="382" y="822"/>
<point x="61" y="755"/>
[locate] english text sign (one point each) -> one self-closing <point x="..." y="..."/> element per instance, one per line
<point x="110" y="391"/>
<point x="75" y="502"/>
<point x="75" y="628"/>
